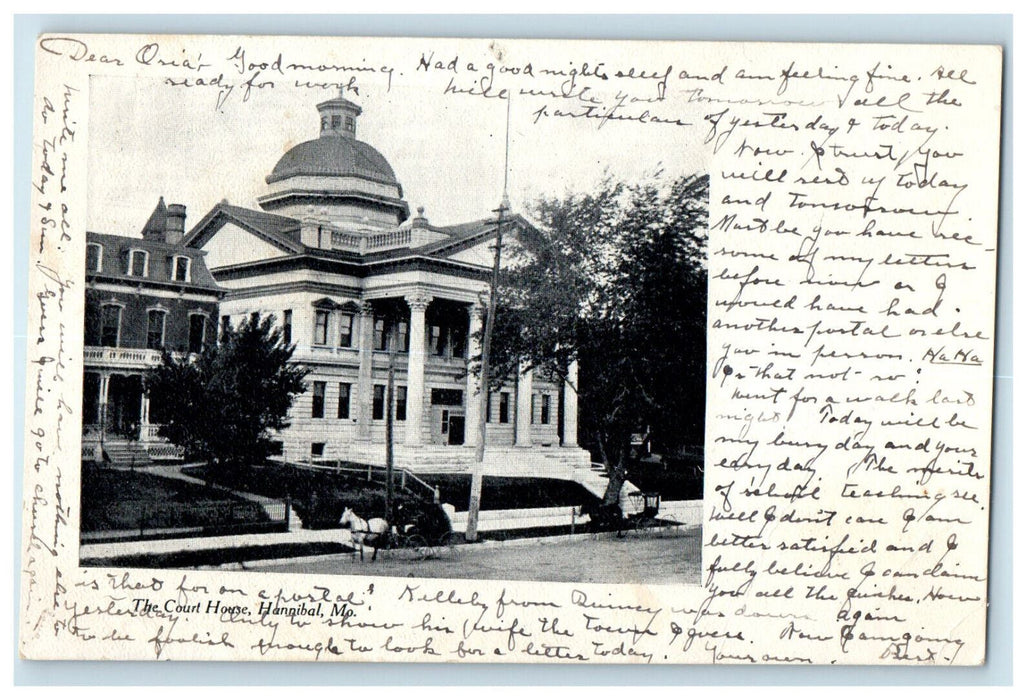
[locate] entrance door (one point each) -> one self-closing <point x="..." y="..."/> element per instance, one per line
<point x="124" y="394"/>
<point x="456" y="429"/>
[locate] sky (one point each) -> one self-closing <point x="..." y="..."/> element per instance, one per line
<point x="147" y="140"/>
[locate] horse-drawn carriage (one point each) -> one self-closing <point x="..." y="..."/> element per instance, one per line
<point x="642" y="511"/>
<point x="420" y="537"/>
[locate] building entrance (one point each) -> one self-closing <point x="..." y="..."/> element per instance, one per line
<point x="456" y="429"/>
<point x="124" y="406"/>
<point x="447" y="412"/>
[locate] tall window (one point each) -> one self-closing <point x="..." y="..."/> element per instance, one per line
<point x="111" y="319"/>
<point x="400" y="403"/>
<point x="380" y="337"/>
<point x="138" y="263"/>
<point x="439" y="340"/>
<point x="319" y="395"/>
<point x="320" y="331"/>
<point x="459" y="343"/>
<point x="93" y="257"/>
<point x="196" y="340"/>
<point x="378" y="402"/>
<point x="288" y="319"/>
<point x="402" y="337"/>
<point x="345" y="336"/>
<point x="544" y="414"/>
<point x="504" y="408"/>
<point x="488" y="408"/>
<point x="181" y="269"/>
<point x="224" y="328"/>
<point x="344" y="400"/>
<point x="155" y="329"/>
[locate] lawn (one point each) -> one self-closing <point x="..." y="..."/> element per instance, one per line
<point x="320" y="498"/>
<point x="510" y="493"/>
<point x="674" y="480"/>
<point x="127" y="500"/>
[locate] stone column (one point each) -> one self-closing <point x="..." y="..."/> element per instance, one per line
<point x="362" y="402"/>
<point x="571" y="406"/>
<point x="475" y="401"/>
<point x="524" y="391"/>
<point x="415" y="370"/>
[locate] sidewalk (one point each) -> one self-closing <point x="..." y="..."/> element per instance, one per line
<point x="175" y="471"/>
<point x="339" y="536"/>
<point x="109" y="550"/>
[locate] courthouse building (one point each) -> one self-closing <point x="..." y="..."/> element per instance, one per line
<point x="337" y="256"/>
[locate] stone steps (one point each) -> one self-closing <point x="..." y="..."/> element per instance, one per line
<point x="126" y="454"/>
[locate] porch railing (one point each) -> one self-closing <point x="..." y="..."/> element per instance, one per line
<point x="121" y="357"/>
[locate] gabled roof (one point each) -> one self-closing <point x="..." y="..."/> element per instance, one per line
<point x="468" y="235"/>
<point x="285" y="233"/>
<point x="281" y="231"/>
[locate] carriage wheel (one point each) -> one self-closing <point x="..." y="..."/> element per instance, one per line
<point x="416" y="546"/>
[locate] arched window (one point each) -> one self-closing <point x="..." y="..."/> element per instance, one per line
<point x="180" y="269"/>
<point x="94" y="254"/>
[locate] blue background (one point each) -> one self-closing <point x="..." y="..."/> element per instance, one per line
<point x="941" y="29"/>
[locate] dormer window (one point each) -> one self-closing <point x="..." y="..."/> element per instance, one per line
<point x="181" y="268"/>
<point x="137" y="263"/>
<point x="94" y="252"/>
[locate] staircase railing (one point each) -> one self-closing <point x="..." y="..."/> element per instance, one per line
<point x="405" y="478"/>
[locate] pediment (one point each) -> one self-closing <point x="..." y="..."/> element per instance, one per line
<point x="230" y="244"/>
<point x="481" y="251"/>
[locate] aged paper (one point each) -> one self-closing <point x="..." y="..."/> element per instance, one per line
<point x="851" y="246"/>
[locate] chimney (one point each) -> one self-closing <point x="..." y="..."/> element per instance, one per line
<point x="175" y="223"/>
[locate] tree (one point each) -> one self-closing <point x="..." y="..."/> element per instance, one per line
<point x="225" y="403"/>
<point x="617" y="279"/>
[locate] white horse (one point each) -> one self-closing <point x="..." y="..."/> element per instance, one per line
<point x="372" y="532"/>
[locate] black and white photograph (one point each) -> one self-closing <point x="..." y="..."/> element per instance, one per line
<point x="511" y="351"/>
<point x="386" y="332"/>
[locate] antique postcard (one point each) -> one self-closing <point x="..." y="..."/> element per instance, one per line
<point x="509" y="351"/>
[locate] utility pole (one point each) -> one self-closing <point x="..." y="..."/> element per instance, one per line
<point x="477" y="472"/>
<point x="389" y="428"/>
<point x="486" y="348"/>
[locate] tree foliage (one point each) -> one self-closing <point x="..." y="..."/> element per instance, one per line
<point x="617" y="279"/>
<point x="225" y="403"/>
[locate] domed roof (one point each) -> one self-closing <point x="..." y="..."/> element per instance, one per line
<point x="333" y="155"/>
